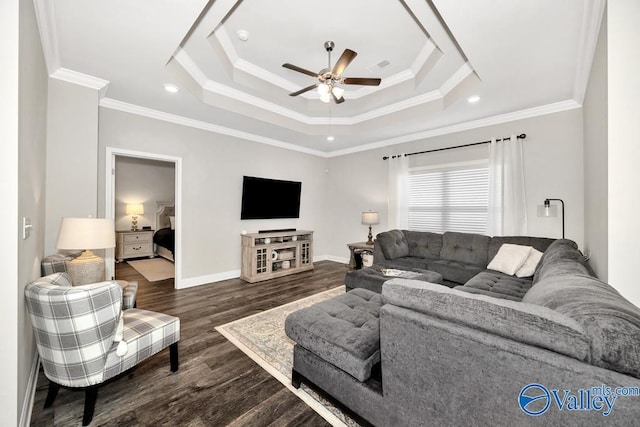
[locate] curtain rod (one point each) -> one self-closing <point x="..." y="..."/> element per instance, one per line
<point x="521" y="136"/>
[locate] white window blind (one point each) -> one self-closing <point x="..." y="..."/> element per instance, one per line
<point x="449" y="200"/>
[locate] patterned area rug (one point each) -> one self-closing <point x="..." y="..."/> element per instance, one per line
<point x="262" y="338"/>
<point x="154" y="269"/>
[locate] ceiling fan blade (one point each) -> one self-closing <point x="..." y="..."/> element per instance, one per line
<point x="365" y="81"/>
<point x="306" y="89"/>
<point x="345" y="59"/>
<point x="336" y="99"/>
<point x="300" y="70"/>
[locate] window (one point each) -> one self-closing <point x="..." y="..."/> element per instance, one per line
<point x="453" y="198"/>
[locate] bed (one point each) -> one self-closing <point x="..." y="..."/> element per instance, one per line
<point x="164" y="237"/>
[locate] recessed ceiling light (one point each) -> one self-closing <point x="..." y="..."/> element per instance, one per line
<point x="473" y="99"/>
<point x="330" y="138"/>
<point x="171" y="88"/>
<point x="243" y="35"/>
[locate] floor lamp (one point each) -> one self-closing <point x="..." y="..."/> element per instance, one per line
<point x="547" y="210"/>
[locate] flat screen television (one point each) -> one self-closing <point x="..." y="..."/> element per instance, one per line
<point x="264" y="198"/>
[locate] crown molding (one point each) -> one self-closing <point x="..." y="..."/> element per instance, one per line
<point x="198" y="124"/>
<point x="45" y="16"/>
<point x="474" y="124"/>
<point x="591" y="22"/>
<point x="82" y="79"/>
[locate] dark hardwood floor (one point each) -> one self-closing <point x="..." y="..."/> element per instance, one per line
<point x="216" y="384"/>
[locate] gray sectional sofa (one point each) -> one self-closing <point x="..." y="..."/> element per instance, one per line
<point x="426" y="354"/>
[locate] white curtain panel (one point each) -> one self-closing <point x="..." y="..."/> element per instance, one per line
<point x="398" y="201"/>
<point x="507" y="199"/>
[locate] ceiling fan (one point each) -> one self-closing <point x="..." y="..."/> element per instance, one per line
<point x="329" y="78"/>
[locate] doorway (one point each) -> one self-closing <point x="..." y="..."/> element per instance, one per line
<point x="114" y="207"/>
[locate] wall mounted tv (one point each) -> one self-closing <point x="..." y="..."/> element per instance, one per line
<point x="264" y="198"/>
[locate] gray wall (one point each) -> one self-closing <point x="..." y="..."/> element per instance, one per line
<point x="72" y="155"/>
<point x="213" y="166"/>
<point x="553" y="160"/>
<point x="142" y="181"/>
<point x="595" y="160"/>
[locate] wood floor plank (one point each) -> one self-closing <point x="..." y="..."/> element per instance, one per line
<point x="217" y="384"/>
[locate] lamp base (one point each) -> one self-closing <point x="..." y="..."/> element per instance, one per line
<point x="85" y="269"/>
<point x="370" y="237"/>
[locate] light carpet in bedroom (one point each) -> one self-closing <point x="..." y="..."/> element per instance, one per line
<point x="261" y="337"/>
<point x="154" y="269"/>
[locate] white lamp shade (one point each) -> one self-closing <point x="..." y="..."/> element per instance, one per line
<point x="323" y="88"/>
<point x="338" y="92"/>
<point x="86" y="233"/>
<point x="325" y="97"/>
<point x="370" y="218"/>
<point x="134" y="209"/>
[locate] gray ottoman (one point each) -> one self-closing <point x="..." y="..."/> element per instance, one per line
<point x="344" y="331"/>
<point x="373" y="277"/>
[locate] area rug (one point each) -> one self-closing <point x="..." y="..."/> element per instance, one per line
<point x="262" y="338"/>
<point x="154" y="269"/>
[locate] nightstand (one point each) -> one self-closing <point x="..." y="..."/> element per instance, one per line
<point x="134" y="244"/>
<point x="355" y="261"/>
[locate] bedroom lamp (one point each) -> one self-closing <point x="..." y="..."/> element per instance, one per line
<point x="86" y="234"/>
<point x="134" y="209"/>
<point x="549" y="213"/>
<point x="370" y="218"/>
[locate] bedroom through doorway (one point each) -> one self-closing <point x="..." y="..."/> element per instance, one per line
<point x="143" y="198"/>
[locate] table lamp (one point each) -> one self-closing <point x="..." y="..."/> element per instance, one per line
<point x="86" y="234"/>
<point x="370" y="218"/>
<point x="134" y="209"/>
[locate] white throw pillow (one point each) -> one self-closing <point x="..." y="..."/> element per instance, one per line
<point x="172" y="220"/>
<point x="509" y="258"/>
<point x="529" y="267"/>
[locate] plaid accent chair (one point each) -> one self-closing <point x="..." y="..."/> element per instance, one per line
<point x="57" y="263"/>
<point x="84" y="338"/>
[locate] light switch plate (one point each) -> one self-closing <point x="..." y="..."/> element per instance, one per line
<point x="26" y="227"/>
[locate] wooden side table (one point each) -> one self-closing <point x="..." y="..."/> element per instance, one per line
<point x="356" y="251"/>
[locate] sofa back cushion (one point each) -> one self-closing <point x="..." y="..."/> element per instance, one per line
<point x="539" y="243"/>
<point x="423" y="244"/>
<point x="465" y="247"/>
<point x="393" y="244"/>
<point x="562" y="257"/>
<point x="610" y="321"/>
<point x="525" y="323"/>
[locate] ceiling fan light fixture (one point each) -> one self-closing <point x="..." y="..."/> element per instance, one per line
<point x="337" y="92"/>
<point x="325" y="97"/>
<point x="323" y="88"/>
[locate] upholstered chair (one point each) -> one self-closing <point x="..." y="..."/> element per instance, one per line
<point x="57" y="263"/>
<point x="84" y="338"/>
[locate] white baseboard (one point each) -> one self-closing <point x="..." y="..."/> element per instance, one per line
<point x="30" y="393"/>
<point x="209" y="278"/>
<point x="234" y="274"/>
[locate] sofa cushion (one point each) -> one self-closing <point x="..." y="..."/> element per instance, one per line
<point x="465" y="247"/>
<point x="405" y="263"/>
<point x="393" y="244"/>
<point x="344" y="331"/>
<point x="611" y="322"/>
<point x="527" y="323"/>
<point x="453" y="271"/>
<point x="509" y="258"/>
<point x="497" y="285"/>
<point x="423" y="244"/>
<point x="561" y="257"/>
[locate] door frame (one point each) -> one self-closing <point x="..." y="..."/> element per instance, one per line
<point x="110" y="202"/>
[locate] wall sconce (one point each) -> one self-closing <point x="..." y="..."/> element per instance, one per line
<point x="549" y="212"/>
<point x="370" y="218"/>
<point x="134" y="209"/>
